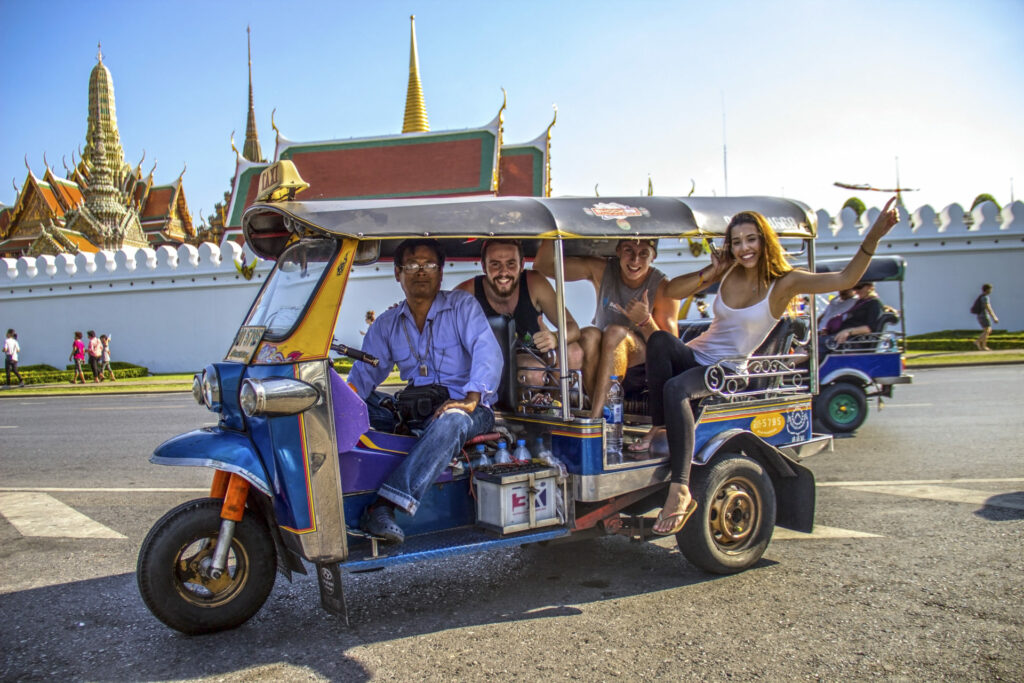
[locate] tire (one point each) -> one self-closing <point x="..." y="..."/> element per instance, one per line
<point x="173" y="585"/>
<point x="735" y="515"/>
<point x="841" y="407"/>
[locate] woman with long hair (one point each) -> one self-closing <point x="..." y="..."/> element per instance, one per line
<point x="756" y="284"/>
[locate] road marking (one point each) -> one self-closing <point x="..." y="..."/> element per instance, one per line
<point x="8" y="426"/>
<point x="55" y="489"/>
<point x="907" y="405"/>
<point x="126" y="407"/>
<point x="37" y="514"/>
<point x="820" y="532"/>
<point x="948" y="494"/>
<point x="912" y="482"/>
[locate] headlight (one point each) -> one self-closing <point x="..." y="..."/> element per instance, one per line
<point x="275" y="397"/>
<point x="211" y="388"/>
<point x="197" y="388"/>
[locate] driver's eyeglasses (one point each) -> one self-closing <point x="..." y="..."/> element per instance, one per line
<point x="416" y="267"/>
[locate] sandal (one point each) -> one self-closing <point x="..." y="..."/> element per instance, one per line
<point x="380" y="521"/>
<point x="682" y="518"/>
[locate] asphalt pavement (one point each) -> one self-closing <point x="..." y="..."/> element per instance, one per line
<point x="914" y="571"/>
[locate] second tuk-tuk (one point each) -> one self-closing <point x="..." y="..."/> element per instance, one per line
<point x="865" y="366"/>
<point x="295" y="462"/>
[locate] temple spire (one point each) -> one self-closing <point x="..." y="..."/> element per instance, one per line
<point x="415" y="109"/>
<point x="251" y="150"/>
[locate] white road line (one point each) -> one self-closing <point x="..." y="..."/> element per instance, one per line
<point x="56" y="489"/>
<point x="947" y="494"/>
<point x="907" y="405"/>
<point x="127" y="407"/>
<point x="820" y="532"/>
<point x="912" y="482"/>
<point x="8" y="426"/>
<point x="37" y="514"/>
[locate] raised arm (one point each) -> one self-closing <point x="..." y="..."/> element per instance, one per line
<point x="576" y="267"/>
<point x="683" y="286"/>
<point x="543" y="295"/>
<point x="801" y="282"/>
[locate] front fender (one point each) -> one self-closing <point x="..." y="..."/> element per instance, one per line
<point x="794" y="483"/>
<point x="216" y="448"/>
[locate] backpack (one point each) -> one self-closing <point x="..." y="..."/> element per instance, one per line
<point x="976" y="307"/>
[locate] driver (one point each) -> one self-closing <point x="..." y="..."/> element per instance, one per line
<point x="438" y="338"/>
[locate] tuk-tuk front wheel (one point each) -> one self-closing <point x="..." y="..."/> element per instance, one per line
<point x="735" y="515"/>
<point x="174" y="575"/>
<point x="841" y="407"/>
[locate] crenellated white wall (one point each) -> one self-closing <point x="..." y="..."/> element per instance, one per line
<point x="168" y="309"/>
<point x="175" y="310"/>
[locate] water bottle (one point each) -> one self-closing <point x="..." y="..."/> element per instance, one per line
<point x="521" y="453"/>
<point x="480" y="459"/>
<point x="613" y="421"/>
<point x="502" y="456"/>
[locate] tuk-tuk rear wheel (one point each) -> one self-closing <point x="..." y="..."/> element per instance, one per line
<point x="173" y="569"/>
<point x="841" y="407"/>
<point x="735" y="515"/>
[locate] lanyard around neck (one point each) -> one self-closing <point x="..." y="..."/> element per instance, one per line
<point x="420" y="360"/>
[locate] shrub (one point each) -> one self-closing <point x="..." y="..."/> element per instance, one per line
<point x="47" y="374"/>
<point x="985" y="197"/>
<point x="856" y="204"/>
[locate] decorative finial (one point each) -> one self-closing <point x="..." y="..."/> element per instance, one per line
<point x="14" y="184"/>
<point x="415" y="120"/>
<point x="183" y="171"/>
<point x="138" y="167"/>
<point x="233" y="148"/>
<point x="99" y="52"/>
<point x="272" y="124"/>
<point x="26" y="164"/>
<point x="46" y="164"/>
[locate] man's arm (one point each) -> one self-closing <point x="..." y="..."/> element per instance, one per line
<point x="665" y="313"/>
<point x="478" y="339"/>
<point x="576" y="267"/>
<point x="543" y="296"/>
<point x="364" y="377"/>
<point x="466" y="286"/>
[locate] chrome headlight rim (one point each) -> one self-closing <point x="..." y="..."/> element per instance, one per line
<point x="197" y="388"/>
<point x="276" y="397"/>
<point x="211" y="388"/>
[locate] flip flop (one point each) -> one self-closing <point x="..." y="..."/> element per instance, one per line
<point x="682" y="518"/>
<point x="638" y="447"/>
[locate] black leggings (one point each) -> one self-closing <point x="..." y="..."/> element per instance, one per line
<point x="675" y="377"/>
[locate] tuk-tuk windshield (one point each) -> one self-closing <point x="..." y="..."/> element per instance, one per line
<point x="290" y="286"/>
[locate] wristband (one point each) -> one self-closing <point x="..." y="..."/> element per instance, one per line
<point x="869" y="253"/>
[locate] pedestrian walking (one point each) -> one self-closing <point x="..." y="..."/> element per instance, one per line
<point x="11" y="352"/>
<point x="986" y="316"/>
<point x="95" y="354"/>
<point x="105" y="368"/>
<point x="78" y="357"/>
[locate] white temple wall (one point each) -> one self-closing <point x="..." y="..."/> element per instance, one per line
<point x="177" y="310"/>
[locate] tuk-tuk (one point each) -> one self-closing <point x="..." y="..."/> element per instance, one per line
<point x="865" y="366"/>
<point x="295" y="464"/>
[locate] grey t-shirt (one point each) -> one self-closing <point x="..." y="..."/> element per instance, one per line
<point x="613" y="289"/>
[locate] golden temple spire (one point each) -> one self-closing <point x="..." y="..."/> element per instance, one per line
<point x="415" y="109"/>
<point x="251" y="150"/>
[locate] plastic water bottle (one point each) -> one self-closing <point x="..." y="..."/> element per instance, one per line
<point x="613" y="421"/>
<point x="480" y="459"/>
<point x="521" y="453"/>
<point x="502" y="456"/>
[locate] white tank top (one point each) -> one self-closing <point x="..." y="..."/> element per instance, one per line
<point x="734" y="332"/>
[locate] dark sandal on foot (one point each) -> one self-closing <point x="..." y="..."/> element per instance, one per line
<point x="682" y="518"/>
<point x="380" y="521"/>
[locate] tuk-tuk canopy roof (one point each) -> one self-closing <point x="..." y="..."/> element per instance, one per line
<point x="269" y="226"/>
<point x="881" y="269"/>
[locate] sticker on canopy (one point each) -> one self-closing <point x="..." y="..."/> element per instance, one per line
<point x="246" y="341"/>
<point x="269" y="354"/>
<point x="613" y="211"/>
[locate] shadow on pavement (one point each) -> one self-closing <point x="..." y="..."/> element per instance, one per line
<point x="100" y="630"/>
<point x="1003" y="507"/>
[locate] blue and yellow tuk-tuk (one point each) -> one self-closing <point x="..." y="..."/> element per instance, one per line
<point x="295" y="464"/>
<point x="865" y="366"/>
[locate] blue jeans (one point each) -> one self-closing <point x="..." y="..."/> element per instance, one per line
<point x="442" y="439"/>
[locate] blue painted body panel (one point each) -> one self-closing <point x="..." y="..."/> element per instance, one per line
<point x="871" y="364"/>
<point x="213" y="446"/>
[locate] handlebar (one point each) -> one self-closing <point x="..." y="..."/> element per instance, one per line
<point x="355" y="354"/>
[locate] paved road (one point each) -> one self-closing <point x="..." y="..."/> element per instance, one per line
<point x="914" y="572"/>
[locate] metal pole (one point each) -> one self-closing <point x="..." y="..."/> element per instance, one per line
<point x="813" y="365"/>
<point x="563" y="355"/>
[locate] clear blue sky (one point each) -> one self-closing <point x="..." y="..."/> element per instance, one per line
<point x="813" y="92"/>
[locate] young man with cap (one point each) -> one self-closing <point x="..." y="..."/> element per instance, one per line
<point x="625" y="284"/>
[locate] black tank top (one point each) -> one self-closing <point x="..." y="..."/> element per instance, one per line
<point x="524" y="314"/>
